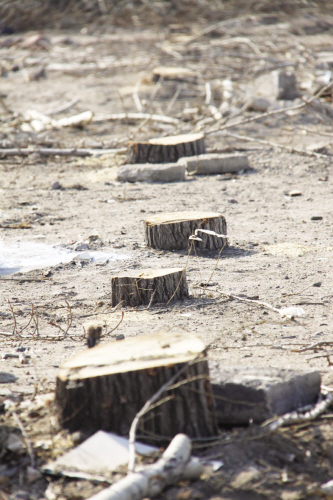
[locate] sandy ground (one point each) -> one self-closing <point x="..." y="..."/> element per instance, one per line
<point x="277" y="253"/>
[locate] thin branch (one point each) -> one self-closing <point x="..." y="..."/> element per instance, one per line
<point x="4" y="153"/>
<point x="115" y="328"/>
<point x="271" y="113"/>
<point x="26" y="438"/>
<point x="277" y="145"/>
<point x="146" y="407"/>
<point x="297" y="417"/>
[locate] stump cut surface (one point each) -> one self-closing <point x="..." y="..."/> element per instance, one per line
<point x="171" y="231"/>
<point x="135" y="288"/>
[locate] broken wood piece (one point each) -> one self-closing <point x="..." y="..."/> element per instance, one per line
<point x="146" y="287"/>
<point x="171" y="231"/>
<point x="215" y="163"/>
<point x="166" y="149"/>
<point x="106" y="386"/>
<point x="247" y="393"/>
<point x="175" y="464"/>
<point x="173" y="73"/>
<point x="147" y="172"/>
<point x="4" y="153"/>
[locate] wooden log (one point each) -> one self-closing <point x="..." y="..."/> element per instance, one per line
<point x="106" y="386"/>
<point x="164" y="172"/>
<point x="171" y="231"/>
<point x="166" y="149"/>
<point x="149" y="286"/>
<point x="215" y="163"/>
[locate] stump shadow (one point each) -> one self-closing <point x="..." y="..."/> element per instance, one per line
<point x="230" y="252"/>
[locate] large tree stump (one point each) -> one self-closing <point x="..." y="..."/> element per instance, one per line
<point x="149" y="286"/>
<point x="166" y="149"/>
<point x="171" y="231"/>
<point x="105" y="387"/>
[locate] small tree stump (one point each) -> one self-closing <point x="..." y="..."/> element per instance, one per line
<point x="166" y="149"/>
<point x="105" y="387"/>
<point x="171" y="231"/>
<point x="136" y="288"/>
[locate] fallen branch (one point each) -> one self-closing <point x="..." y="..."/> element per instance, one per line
<point x="4" y="153"/>
<point x="174" y="465"/>
<point x="316" y="345"/>
<point x="253" y="301"/>
<point x="137" y="117"/>
<point x="271" y="113"/>
<point x="277" y="145"/>
<point x="297" y="417"/>
<point x="61" y="109"/>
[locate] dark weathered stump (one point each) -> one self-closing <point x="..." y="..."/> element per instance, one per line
<point x="104" y="387"/>
<point x="136" y="288"/>
<point x="166" y="149"/>
<point x="171" y="231"/>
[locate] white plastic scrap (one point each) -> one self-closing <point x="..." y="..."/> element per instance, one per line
<point x="291" y="312"/>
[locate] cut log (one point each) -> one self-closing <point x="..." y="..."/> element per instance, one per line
<point x="165" y="172"/>
<point x="166" y="149"/>
<point x="215" y="163"/>
<point x="106" y="386"/>
<point x="249" y="393"/>
<point x="149" y="286"/>
<point x="171" y="231"/>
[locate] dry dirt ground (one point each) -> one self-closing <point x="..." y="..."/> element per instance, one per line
<point x="277" y="252"/>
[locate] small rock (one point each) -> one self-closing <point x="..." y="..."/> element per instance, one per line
<point x="93" y="237"/>
<point x="81" y="246"/>
<point x="232" y="200"/>
<point x="56" y="185"/>
<point x="316" y="217"/>
<point x="120" y="337"/>
<point x="259" y="104"/>
<point x="295" y="192"/>
<point x="318" y="284"/>
<point x="33" y="475"/>
<point x="7" y="378"/>
<point x="15" y="444"/>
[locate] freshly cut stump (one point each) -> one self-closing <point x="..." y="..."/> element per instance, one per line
<point x="171" y="231"/>
<point x="136" y="288"/>
<point x="105" y="387"/>
<point x="166" y="149"/>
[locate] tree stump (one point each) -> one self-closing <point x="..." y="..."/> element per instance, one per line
<point x="171" y="231"/>
<point x="105" y="387"/>
<point x="149" y="286"/>
<point x="166" y="149"/>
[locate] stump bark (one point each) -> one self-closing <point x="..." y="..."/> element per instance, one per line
<point x="136" y="288"/>
<point x="171" y="231"/>
<point x="166" y="149"/>
<point x="105" y="387"/>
